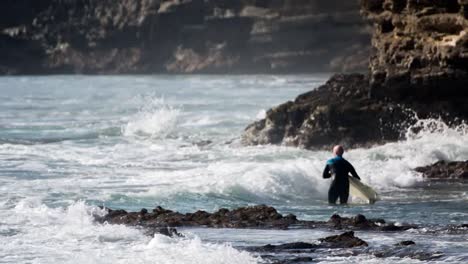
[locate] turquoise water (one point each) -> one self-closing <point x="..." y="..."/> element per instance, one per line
<point x="71" y="143"/>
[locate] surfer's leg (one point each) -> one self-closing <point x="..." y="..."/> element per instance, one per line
<point x="332" y="194"/>
<point x="344" y="194"/>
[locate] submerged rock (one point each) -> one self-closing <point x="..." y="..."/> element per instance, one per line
<point x="445" y="170"/>
<point x="297" y="252"/>
<point x="405" y="243"/>
<point x="345" y="240"/>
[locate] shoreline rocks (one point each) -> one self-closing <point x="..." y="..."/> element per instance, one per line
<point x="260" y="216"/>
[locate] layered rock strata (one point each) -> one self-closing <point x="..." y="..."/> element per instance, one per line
<point x="181" y="36"/>
<point x="420" y="48"/>
<point x="418" y="69"/>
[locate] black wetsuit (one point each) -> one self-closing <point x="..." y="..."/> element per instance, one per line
<point x="339" y="168"/>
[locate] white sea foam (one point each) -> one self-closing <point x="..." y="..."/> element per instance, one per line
<point x="70" y="235"/>
<point x="155" y="119"/>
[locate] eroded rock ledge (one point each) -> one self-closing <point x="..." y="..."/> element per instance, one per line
<point x="418" y="68"/>
<point x="261" y="216"/>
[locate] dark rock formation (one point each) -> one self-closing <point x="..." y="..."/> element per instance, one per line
<point x="260" y="216"/>
<point x="418" y="70"/>
<point x="300" y="252"/>
<point x="246" y="217"/>
<point x="339" y="111"/>
<point x="406" y="243"/>
<point x="360" y="222"/>
<point x="420" y="48"/>
<point x="345" y="240"/>
<point x="445" y="170"/>
<point x="181" y="36"/>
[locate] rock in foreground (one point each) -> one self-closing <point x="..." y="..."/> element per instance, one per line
<point x="261" y="216"/>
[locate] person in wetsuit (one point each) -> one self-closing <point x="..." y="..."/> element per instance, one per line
<point x="339" y="168"/>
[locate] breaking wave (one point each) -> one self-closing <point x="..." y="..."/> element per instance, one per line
<point x="155" y="119"/>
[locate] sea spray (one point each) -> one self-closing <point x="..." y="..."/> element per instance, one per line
<point x="155" y="119"/>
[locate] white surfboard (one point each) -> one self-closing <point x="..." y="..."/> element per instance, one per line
<point x="362" y="191"/>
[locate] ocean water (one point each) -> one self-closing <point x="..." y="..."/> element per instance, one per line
<point x="69" y="144"/>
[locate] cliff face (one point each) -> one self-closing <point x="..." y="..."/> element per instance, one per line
<point x="181" y="36"/>
<point x="418" y="67"/>
<point x="420" y="48"/>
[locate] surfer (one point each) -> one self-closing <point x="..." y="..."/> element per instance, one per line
<point x="339" y="168"/>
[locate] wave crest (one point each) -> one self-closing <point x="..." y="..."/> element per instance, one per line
<point x="155" y="119"/>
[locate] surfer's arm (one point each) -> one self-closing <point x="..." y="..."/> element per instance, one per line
<point x="353" y="171"/>
<point x="326" y="172"/>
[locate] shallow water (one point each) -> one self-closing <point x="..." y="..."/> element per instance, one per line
<point x="71" y="143"/>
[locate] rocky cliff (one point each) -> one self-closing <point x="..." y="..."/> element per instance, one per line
<point x="418" y="68"/>
<point x="420" y="48"/>
<point x="181" y="36"/>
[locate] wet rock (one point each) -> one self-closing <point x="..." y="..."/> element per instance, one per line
<point x="167" y="231"/>
<point x="339" y="111"/>
<point x="296" y="246"/>
<point x="260" y="216"/>
<point x="297" y="252"/>
<point x="417" y="70"/>
<point x="345" y="240"/>
<point x="405" y="243"/>
<point x="360" y="222"/>
<point x="247" y="217"/>
<point x="445" y="170"/>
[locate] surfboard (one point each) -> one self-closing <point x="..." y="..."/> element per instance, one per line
<point x="362" y="191"/>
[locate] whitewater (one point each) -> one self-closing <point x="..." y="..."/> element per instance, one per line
<point x="71" y="144"/>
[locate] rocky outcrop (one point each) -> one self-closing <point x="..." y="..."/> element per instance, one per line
<point x="420" y="48"/>
<point x="445" y="170"/>
<point x="260" y="216"/>
<point x="341" y="112"/>
<point x="417" y="70"/>
<point x="181" y="36"/>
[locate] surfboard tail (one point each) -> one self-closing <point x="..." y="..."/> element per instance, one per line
<point x="362" y="191"/>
